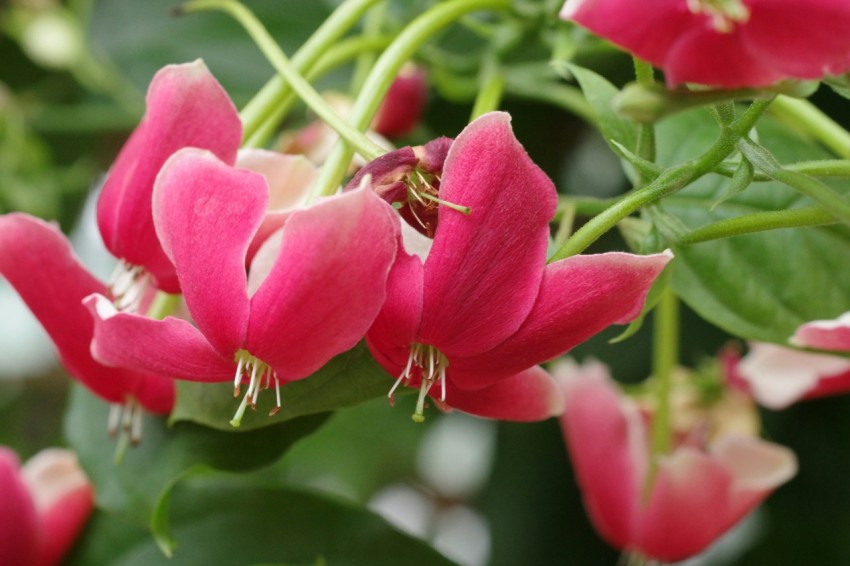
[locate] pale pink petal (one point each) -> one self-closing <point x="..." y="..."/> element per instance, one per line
<point x="63" y="497"/>
<point x="37" y="259"/>
<point x="689" y="506"/>
<point x="19" y="528"/>
<point x="607" y="444"/>
<point x="186" y="107"/>
<point x="206" y="215"/>
<point x="528" y="396"/>
<point x="780" y="376"/>
<point x="171" y="347"/>
<point x="484" y="270"/>
<point x="824" y="334"/>
<point x="757" y="467"/>
<point x="579" y="296"/>
<point x="327" y="285"/>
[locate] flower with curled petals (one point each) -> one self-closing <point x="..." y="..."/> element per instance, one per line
<point x="726" y="43"/>
<point x="186" y="107"/>
<point x="723" y="472"/>
<point x="312" y="290"/>
<point x="475" y="318"/>
<point x="43" y="508"/>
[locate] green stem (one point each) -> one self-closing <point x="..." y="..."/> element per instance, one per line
<point x="762" y="159"/>
<point x="563" y="96"/>
<point x="366" y="147"/>
<point x="491" y="91"/>
<point x="645" y="148"/>
<point x="665" y="355"/>
<point x="668" y="182"/>
<point x="333" y="58"/>
<point x="821" y="168"/>
<point x="277" y="89"/>
<point x="371" y="28"/>
<point x="384" y="72"/>
<point x="760" y="222"/>
<point x="806" y="117"/>
<point x="582" y="206"/>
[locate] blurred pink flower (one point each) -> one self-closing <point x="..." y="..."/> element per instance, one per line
<point x="722" y="474"/>
<point x="44" y="507"/>
<point x="727" y="43"/>
<point x="312" y="290"/>
<point x="476" y="316"/>
<point x="403" y="104"/>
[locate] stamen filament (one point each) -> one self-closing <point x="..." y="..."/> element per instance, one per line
<point x="277" y="394"/>
<point x="114" y="418"/>
<point x="458" y="207"/>
<point x="418" y="415"/>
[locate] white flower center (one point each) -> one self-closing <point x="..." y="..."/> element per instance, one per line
<point x="260" y="376"/>
<point x="724" y="14"/>
<point x="433" y="365"/>
<point x="128" y="285"/>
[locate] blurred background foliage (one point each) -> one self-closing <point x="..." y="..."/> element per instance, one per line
<point x="72" y="81"/>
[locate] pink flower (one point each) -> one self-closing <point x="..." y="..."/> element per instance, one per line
<point x="44" y="507"/>
<point x="403" y="104"/>
<point x="313" y="288"/>
<point x="484" y="308"/>
<point x="778" y="377"/>
<point x="728" y="43"/>
<point x="36" y="258"/>
<point x="723" y="477"/>
<point x="186" y="107"/>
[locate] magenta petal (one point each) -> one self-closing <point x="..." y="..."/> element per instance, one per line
<point x="19" y="528"/>
<point x="327" y="284"/>
<point x="528" y="396"/>
<point x="186" y="107"/>
<point x="206" y="214"/>
<point x="36" y="258"/>
<point x="579" y="297"/>
<point x="606" y="438"/>
<point x="484" y="270"/>
<point x="170" y="347"/>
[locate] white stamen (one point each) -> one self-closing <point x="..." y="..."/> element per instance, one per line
<point x="237" y="379"/>
<point x="277" y="394"/>
<point x="114" y="418"/>
<point x="136" y="430"/>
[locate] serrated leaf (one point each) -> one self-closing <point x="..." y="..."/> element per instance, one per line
<point x="132" y="487"/>
<point x="600" y="95"/>
<point x="757" y="286"/>
<point x="347" y="380"/>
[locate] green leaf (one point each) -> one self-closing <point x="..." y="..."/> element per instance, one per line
<point x="345" y="381"/>
<point x="231" y="520"/>
<point x="758" y="286"/>
<point x="600" y="95"/>
<point x="133" y="487"/>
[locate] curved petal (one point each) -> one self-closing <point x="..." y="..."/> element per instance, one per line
<point x="606" y="439"/>
<point x="206" y="214"/>
<point x="579" y="296"/>
<point x="327" y="285"/>
<point x="19" y="528"/>
<point x="777" y="376"/>
<point x="483" y="272"/>
<point x="532" y="395"/>
<point x="171" y="347"/>
<point x="824" y="334"/>
<point x="186" y="107"/>
<point x="64" y="499"/>
<point x="36" y="258"/>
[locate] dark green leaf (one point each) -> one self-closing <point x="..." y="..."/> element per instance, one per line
<point x="600" y="94"/>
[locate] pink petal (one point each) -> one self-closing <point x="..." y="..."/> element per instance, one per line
<point x="606" y="439"/>
<point x="36" y="258"/>
<point x="528" y="396"/>
<point x="824" y="334"/>
<point x="403" y="104"/>
<point x="327" y="285"/>
<point x="63" y="497"/>
<point x="19" y="528"/>
<point x="206" y="215"/>
<point x="779" y="376"/>
<point x="171" y="347"/>
<point x="186" y="107"/>
<point x="288" y="177"/>
<point x="484" y="270"/>
<point x="579" y="297"/>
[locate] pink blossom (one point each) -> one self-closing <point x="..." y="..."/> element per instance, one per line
<point x="44" y="507"/>
<point x="313" y="288"/>
<point x="723" y="475"/>
<point x="186" y="107"/>
<point x="728" y="43"/>
<point x="37" y="259"/>
<point x="475" y="318"/>
<point x="403" y="104"/>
